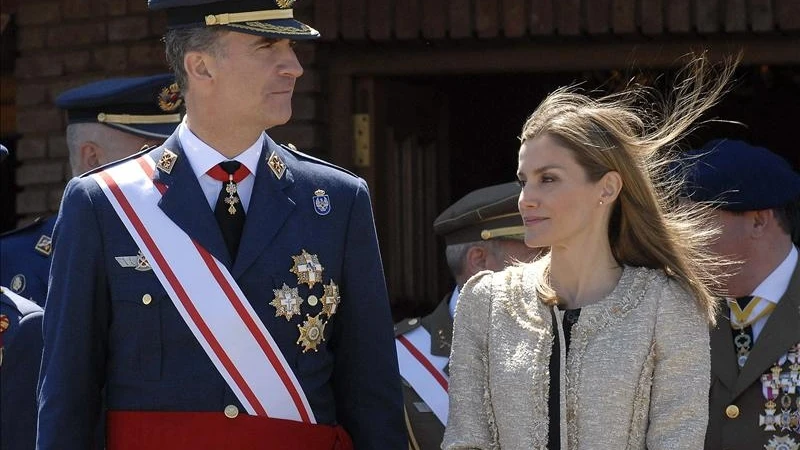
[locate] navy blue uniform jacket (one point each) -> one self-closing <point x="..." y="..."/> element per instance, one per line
<point x="99" y="333"/>
<point x="20" y="356"/>
<point x="23" y="268"/>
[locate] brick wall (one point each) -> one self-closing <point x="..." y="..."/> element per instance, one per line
<point x="65" y="43"/>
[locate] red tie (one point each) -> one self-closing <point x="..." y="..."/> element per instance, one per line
<point x="221" y="174"/>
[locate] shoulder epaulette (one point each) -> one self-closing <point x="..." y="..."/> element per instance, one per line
<point x="37" y="222"/>
<point x="141" y="152"/>
<point x="406" y="325"/>
<point x="293" y="150"/>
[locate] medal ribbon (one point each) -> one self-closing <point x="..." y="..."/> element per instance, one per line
<point x="747" y="316"/>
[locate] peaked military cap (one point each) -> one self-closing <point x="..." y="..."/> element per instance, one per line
<point x="268" y="18"/>
<point x="740" y="177"/>
<point x="145" y="106"/>
<point x="483" y="214"/>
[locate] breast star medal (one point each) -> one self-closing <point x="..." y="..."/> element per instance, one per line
<point x="307" y="268"/>
<point x="782" y="443"/>
<point x="286" y="302"/>
<point x="312" y="332"/>
<point x="330" y="299"/>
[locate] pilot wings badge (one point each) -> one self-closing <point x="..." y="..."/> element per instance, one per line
<point x="138" y="262"/>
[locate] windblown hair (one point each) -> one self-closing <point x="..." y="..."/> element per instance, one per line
<point x="634" y="133"/>
<point x="181" y="41"/>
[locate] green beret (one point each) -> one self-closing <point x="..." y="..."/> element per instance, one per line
<point x="483" y="214"/>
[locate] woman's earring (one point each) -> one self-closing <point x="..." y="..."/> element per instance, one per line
<point x="601" y="202"/>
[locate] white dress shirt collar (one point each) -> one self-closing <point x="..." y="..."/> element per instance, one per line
<point x="775" y="285"/>
<point x="203" y="157"/>
<point x="453" y="301"/>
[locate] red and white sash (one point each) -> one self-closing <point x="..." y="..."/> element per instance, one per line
<point x="424" y="371"/>
<point x="207" y="297"/>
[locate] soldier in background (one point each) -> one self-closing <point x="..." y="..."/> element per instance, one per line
<point x="107" y="120"/>
<point x="483" y="231"/>
<point x="755" y="346"/>
<point x="20" y="352"/>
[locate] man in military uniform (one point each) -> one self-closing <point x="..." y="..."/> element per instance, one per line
<point x="482" y="231"/>
<point x="20" y="353"/>
<point x="256" y="312"/>
<point x="755" y="347"/>
<point x="107" y="120"/>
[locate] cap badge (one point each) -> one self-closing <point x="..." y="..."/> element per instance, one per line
<point x="138" y="262"/>
<point x="44" y="245"/>
<point x="307" y="268"/>
<point x="169" y="99"/>
<point x="283" y="4"/>
<point x="167" y="161"/>
<point x="312" y="332"/>
<point x="18" y="283"/>
<point x="331" y="299"/>
<point x="277" y="165"/>
<point x="322" y="203"/>
<point x="286" y="302"/>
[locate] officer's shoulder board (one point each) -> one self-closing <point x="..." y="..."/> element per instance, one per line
<point x="142" y="151"/>
<point x="21" y="304"/>
<point x="406" y="325"/>
<point x="38" y="222"/>
<point x="300" y="155"/>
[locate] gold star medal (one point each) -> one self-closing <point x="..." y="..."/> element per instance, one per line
<point x="330" y="299"/>
<point x="167" y="161"/>
<point x="44" y="245"/>
<point x="312" y="332"/>
<point x="286" y="302"/>
<point x="307" y="268"/>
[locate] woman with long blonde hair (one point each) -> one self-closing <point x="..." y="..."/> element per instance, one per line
<point x="602" y="344"/>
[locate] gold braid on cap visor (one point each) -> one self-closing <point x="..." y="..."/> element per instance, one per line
<point x="252" y="16"/>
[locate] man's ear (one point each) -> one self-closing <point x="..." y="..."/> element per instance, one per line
<point x="91" y="156"/>
<point x="476" y="259"/>
<point x="760" y="220"/>
<point x="199" y="67"/>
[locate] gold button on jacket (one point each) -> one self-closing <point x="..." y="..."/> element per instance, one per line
<point x="732" y="411"/>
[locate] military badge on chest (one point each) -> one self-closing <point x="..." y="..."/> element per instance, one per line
<point x="781" y="389"/>
<point x="319" y="304"/>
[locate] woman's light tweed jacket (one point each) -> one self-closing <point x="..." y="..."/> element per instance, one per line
<point x="637" y="375"/>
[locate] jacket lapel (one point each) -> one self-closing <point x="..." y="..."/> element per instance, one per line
<point x="779" y="333"/>
<point x="268" y="210"/>
<point x="723" y="357"/>
<point x="185" y="204"/>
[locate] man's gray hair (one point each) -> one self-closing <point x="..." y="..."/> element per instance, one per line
<point x="456" y="254"/>
<point x="181" y="41"/>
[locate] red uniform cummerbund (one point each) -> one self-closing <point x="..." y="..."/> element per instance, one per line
<point x="148" y="430"/>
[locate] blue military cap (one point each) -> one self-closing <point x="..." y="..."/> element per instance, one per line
<point x="740" y="177"/>
<point x="269" y="18"/>
<point x="145" y="106"/>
